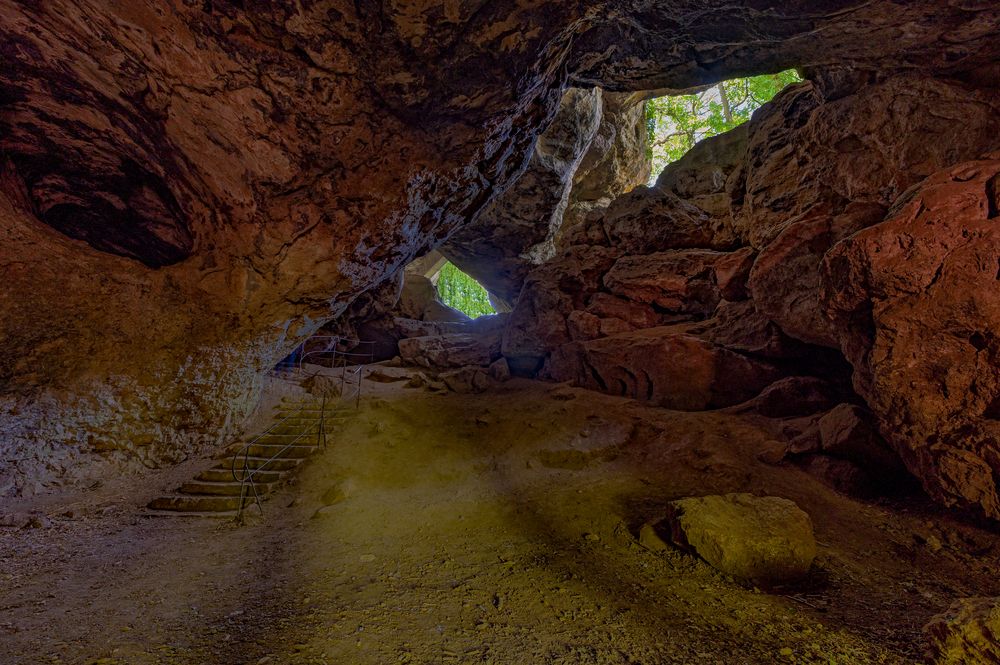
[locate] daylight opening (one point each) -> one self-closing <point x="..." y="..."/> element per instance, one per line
<point x="460" y="291"/>
<point x="675" y="123"/>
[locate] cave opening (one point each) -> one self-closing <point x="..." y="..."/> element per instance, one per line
<point x="676" y="123"/>
<point x="461" y="291"/>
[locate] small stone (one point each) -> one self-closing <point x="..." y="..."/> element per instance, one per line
<point x="499" y="370"/>
<point x="336" y="493"/>
<point x="772" y="452"/>
<point x="38" y="522"/>
<point x="650" y="539"/>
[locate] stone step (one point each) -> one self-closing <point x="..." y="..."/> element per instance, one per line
<point x="205" y="504"/>
<point x="195" y="487"/>
<point x="225" y="475"/>
<point x="280" y="464"/>
<point x="283" y="439"/>
<point x="279" y="450"/>
<point x="220" y="514"/>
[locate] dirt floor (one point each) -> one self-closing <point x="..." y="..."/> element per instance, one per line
<point x="492" y="528"/>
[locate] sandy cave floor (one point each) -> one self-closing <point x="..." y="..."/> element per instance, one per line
<point x="491" y="528"/>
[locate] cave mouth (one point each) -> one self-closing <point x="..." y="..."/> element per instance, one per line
<point x="676" y="123"/>
<point x="461" y="291"/>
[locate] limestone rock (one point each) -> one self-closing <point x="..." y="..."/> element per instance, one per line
<point x="765" y="540"/>
<point x="452" y="350"/>
<point x="792" y="396"/>
<point x="517" y="231"/>
<point x="916" y="304"/>
<point x="615" y="162"/>
<point x="846" y="431"/>
<point x="678" y="281"/>
<point x="499" y="370"/>
<point x="466" y="379"/>
<point x="665" y="366"/>
<point x="741" y="327"/>
<point x="785" y="278"/>
<point x="538" y="323"/>
<point x="687" y="207"/>
<point x="642" y="224"/>
<point x="732" y="272"/>
<point x="804" y="152"/>
<point x="969" y="632"/>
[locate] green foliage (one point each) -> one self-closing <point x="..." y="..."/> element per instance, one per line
<point x="463" y="293"/>
<point x="675" y="124"/>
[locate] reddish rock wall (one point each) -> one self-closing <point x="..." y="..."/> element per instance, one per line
<point x="863" y="229"/>
<point x="189" y="189"/>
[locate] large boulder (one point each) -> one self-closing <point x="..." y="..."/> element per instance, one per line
<point x="765" y="540"/>
<point x="451" y="350"/>
<point x="687" y="207"/>
<point x="916" y="303"/>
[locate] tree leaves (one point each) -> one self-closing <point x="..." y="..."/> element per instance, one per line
<point x="461" y="292"/>
<point x="675" y="124"/>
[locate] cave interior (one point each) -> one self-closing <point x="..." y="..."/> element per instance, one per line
<point x="619" y="332"/>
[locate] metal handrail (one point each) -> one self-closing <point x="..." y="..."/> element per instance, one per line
<point x="246" y="477"/>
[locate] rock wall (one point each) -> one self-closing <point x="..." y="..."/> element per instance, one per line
<point x="848" y="219"/>
<point x="190" y="189"/>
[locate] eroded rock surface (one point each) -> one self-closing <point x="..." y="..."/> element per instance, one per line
<point x="189" y="191"/>
<point x="969" y="632"/>
<point x="517" y="231"/>
<point x="917" y="302"/>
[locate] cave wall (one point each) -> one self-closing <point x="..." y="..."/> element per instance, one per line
<point x="840" y="220"/>
<point x="593" y="151"/>
<point x="188" y="189"/>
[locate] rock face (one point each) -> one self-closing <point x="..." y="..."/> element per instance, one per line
<point x="916" y="300"/>
<point x="594" y="150"/>
<point x="765" y="540"/>
<point x="795" y="202"/>
<point x="189" y="191"/>
<point x="967" y="633"/>
<point x="665" y="366"/>
<point x="770" y="251"/>
<point x="517" y="231"/>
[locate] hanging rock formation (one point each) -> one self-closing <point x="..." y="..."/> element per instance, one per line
<point x="188" y="190"/>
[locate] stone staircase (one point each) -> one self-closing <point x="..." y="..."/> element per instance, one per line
<point x="251" y="471"/>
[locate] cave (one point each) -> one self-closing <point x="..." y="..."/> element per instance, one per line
<point x="729" y="393"/>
